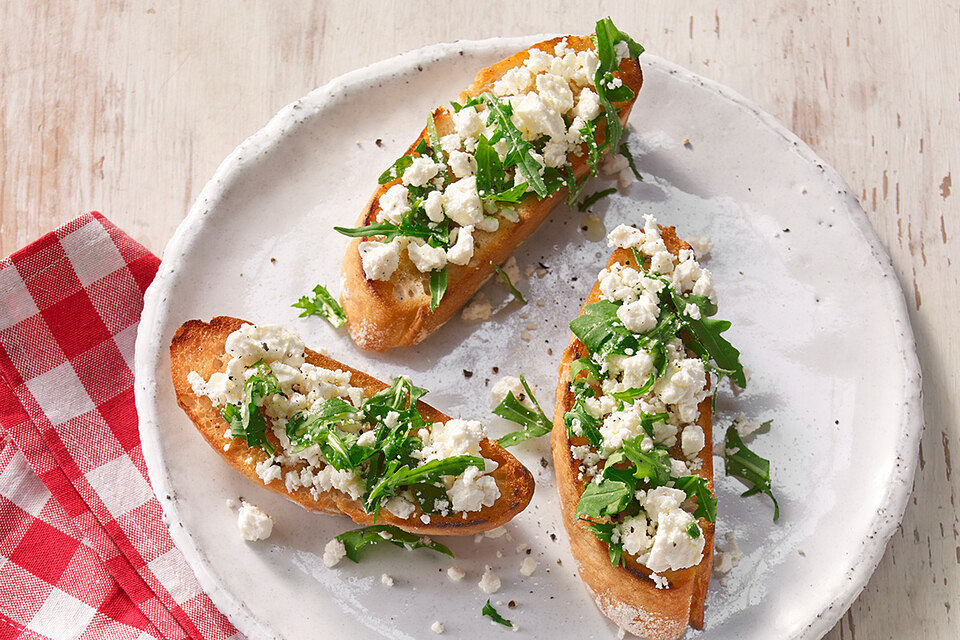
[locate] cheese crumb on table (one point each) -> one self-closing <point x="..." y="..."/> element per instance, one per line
<point x="528" y="566"/>
<point x="387" y="579"/>
<point x="728" y="555"/>
<point x="455" y="573"/>
<point x="489" y="582"/>
<point x="437" y="627"/>
<point x="253" y="523"/>
<point x="333" y="553"/>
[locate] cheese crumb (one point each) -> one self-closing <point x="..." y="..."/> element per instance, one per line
<point x="489" y="582"/>
<point x="728" y="555"/>
<point x="478" y="310"/>
<point x="253" y="523"/>
<point x="387" y="579"/>
<point x="333" y="553"/>
<point x="437" y="627"/>
<point x="528" y="566"/>
<point x="455" y="573"/>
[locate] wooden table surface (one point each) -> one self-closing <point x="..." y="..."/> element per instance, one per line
<point x="128" y="107"/>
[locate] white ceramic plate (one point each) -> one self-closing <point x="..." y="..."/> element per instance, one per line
<point x="816" y="311"/>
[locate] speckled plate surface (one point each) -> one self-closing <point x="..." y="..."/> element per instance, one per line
<point x="816" y="311"/>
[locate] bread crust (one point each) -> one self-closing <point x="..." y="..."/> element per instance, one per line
<point x="199" y="346"/>
<point x="627" y="595"/>
<point x="385" y="314"/>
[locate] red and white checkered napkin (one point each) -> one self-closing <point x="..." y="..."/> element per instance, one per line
<point x="83" y="552"/>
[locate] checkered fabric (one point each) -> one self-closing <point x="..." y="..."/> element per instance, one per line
<point x="83" y="551"/>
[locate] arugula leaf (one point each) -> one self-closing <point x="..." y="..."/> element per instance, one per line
<point x="704" y="339"/>
<point x="506" y="280"/>
<point x="601" y="332"/>
<point x="519" y="148"/>
<point x="491" y="613"/>
<point x="322" y="304"/>
<point x="356" y="540"/>
<point x="695" y="486"/>
<point x="606" y="498"/>
<point x="607" y="37"/>
<point x="398" y="476"/>
<point x="593" y="198"/>
<point x="625" y="152"/>
<point x="428" y="495"/>
<point x="588" y="133"/>
<point x="389" y="230"/>
<point x="247" y="421"/>
<point x="399" y="395"/>
<point x="693" y="530"/>
<point x="584" y="364"/>
<point x="534" y="423"/>
<point x="743" y="464"/>
<point x="438" y="287"/>
<point x="395" y="170"/>
<point x="471" y="102"/>
<point x="581" y="416"/>
<point x="604" y="533"/>
<point x="652" y="466"/>
<point x="434" y="140"/>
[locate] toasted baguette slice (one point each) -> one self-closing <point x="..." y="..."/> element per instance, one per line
<point x="199" y="346"/>
<point x="627" y="595"/>
<point x="396" y="312"/>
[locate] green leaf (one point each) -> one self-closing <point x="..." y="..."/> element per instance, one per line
<point x="607" y="37"/>
<point x="580" y="415"/>
<point x="584" y="364"/>
<point x="401" y="393"/>
<point x="693" y="530"/>
<point x="588" y="133"/>
<point x="604" y="533"/>
<point x="743" y="464"/>
<point x="593" y="198"/>
<point x="471" y="102"/>
<point x="434" y="140"/>
<point x="652" y="466"/>
<point x="625" y="152"/>
<point x="395" y="170"/>
<point x="247" y="421"/>
<point x="400" y="476"/>
<point x="428" y="495"/>
<point x="356" y="540"/>
<point x="491" y="613"/>
<point x="322" y="304"/>
<point x="703" y="337"/>
<point x="438" y="287"/>
<point x="601" y="332"/>
<point x="519" y="148"/>
<point x="696" y="486"/>
<point x="506" y="280"/>
<point x="606" y="498"/>
<point x="534" y="423"/>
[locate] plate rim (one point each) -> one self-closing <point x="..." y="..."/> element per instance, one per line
<point x="898" y="490"/>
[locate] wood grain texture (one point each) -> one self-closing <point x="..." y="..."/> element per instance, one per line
<point x="128" y="107"/>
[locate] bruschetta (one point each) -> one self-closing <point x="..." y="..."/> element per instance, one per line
<point x="336" y="440"/>
<point x="480" y="178"/>
<point x="631" y="439"/>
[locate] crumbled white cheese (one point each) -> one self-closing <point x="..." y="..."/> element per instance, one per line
<point x="380" y="259"/>
<point x="489" y="582"/>
<point x="252" y="343"/>
<point x="462" y="164"/>
<point x="640" y="315"/>
<point x="253" y="523"/>
<point x="472" y="491"/>
<point x="634" y="535"/>
<point x="468" y="123"/>
<point x="509" y="384"/>
<point x="426" y="258"/>
<point x="528" y="566"/>
<point x="456" y="437"/>
<point x="433" y="206"/>
<point x="394" y="203"/>
<point x="534" y="118"/>
<point x="333" y="553"/>
<point x="701" y="246"/>
<point x="497" y="532"/>
<point x="555" y="92"/>
<point x="478" y="310"/>
<point x="437" y="627"/>
<point x="624" y="237"/>
<point x="400" y="507"/>
<point x="746" y="426"/>
<point x="461" y="202"/>
<point x="692" y="440"/>
<point x="455" y="573"/>
<point x="588" y="105"/>
<point x="728" y="555"/>
<point x="386" y="580"/>
<point x="462" y="250"/>
<point x="420" y="172"/>
<point x="673" y="546"/>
